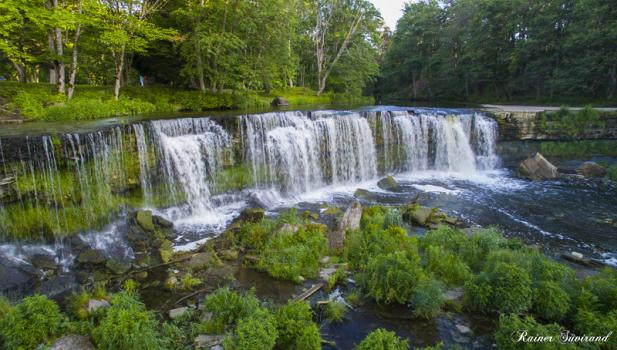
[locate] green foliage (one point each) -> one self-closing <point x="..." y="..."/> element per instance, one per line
<point x="188" y="282"/>
<point x="578" y="148"/>
<point x="393" y="217"/>
<point x="427" y="299"/>
<point x="382" y="339"/>
<point x="335" y="311"/>
<point x="127" y="325"/>
<point x="296" y="329"/>
<point x="33" y="321"/>
<point x="391" y="277"/>
<point x="550" y="301"/>
<point x="611" y="173"/>
<point x="511" y="326"/>
<point x="228" y="307"/>
<point x="573" y="124"/>
<point x="256" y="332"/>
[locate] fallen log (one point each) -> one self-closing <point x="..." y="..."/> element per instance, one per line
<point x="309" y="292"/>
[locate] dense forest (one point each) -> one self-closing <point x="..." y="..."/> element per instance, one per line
<point x="504" y="50"/>
<point x="206" y="45"/>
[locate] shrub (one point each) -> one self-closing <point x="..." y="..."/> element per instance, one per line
<point x="611" y="173"/>
<point x="504" y="287"/>
<point x="427" y="299"/>
<point x="296" y="329"/>
<point x="335" y="311"/>
<point x="382" y="339"/>
<point x="127" y="325"/>
<point x="256" y="332"/>
<point x="188" y="282"/>
<point x="550" y="301"/>
<point x="393" y="217"/>
<point x="33" y="321"/>
<point x="391" y="277"/>
<point x="228" y="307"/>
<point x="447" y="266"/>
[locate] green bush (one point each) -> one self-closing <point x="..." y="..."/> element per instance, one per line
<point x="391" y="277"/>
<point x="393" y="217"/>
<point x="34" y="321"/>
<point x="228" y="307"/>
<point x="504" y="287"/>
<point x="449" y="267"/>
<point x="611" y="173"/>
<point x="296" y="328"/>
<point x="127" y="325"/>
<point x="550" y="301"/>
<point x="256" y="332"/>
<point x="335" y="311"/>
<point x="382" y="339"/>
<point x="427" y="299"/>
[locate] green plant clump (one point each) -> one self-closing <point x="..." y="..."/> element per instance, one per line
<point x="382" y="339"/>
<point x="33" y="321"/>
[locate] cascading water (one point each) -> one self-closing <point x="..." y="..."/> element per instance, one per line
<point x="192" y="151"/>
<point x="294" y="152"/>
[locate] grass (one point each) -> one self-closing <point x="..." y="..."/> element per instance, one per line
<point x="40" y="102"/>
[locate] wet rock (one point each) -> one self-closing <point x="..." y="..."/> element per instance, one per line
<point x="252" y="214"/>
<point x="91" y="257"/>
<point x="331" y="210"/>
<point x="463" y="329"/>
<point x="16" y="278"/>
<point x="349" y="221"/>
<point x="537" y="167"/>
<point x="362" y="194"/>
<point x="141" y="276"/>
<point x="325" y="273"/>
<point x="591" y="169"/>
<point x="178" y="312"/>
<point x="7" y="190"/>
<point x="44" y="262"/>
<point x="144" y="219"/>
<point x="95" y="304"/>
<point x="162" y="222"/>
<point x="207" y="341"/>
<point x="78" y="244"/>
<point x="117" y="267"/>
<point x="73" y="342"/>
<point x="279" y="102"/>
<point x="388" y="183"/>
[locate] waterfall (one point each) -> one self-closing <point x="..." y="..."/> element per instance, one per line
<point x="460" y="143"/>
<point x="295" y="152"/>
<point x="144" y="163"/>
<point x="192" y="151"/>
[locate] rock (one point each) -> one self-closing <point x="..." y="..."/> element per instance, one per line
<point x="252" y="214"/>
<point x="91" y="257"/>
<point x="144" y="219"/>
<point x="141" y="276"/>
<point x="44" y="262"/>
<point x="199" y="261"/>
<point x="78" y="244"/>
<point x="463" y="329"/>
<point x="171" y="282"/>
<point x="95" y="304"/>
<point x="178" y="312"/>
<point x="388" y="183"/>
<point x="454" y="295"/>
<point x="162" y="222"/>
<point x="207" y="316"/>
<point x="117" y="267"/>
<point x="325" y="273"/>
<point x="362" y="193"/>
<point x="279" y="102"/>
<point x="332" y="211"/>
<point x="591" y="169"/>
<point x="166" y="251"/>
<point x="418" y="215"/>
<point x="537" y="168"/>
<point x="72" y="342"/>
<point x="207" y="341"/>
<point x="324" y="260"/>
<point x="229" y="254"/>
<point x="349" y="221"/>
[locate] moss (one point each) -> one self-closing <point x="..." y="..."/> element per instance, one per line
<point x="235" y="178"/>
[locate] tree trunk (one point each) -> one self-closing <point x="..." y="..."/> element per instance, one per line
<point x="21" y="72"/>
<point x="73" y="75"/>
<point x="200" y="66"/>
<point x="119" y="71"/>
<point x="60" y="52"/>
<point x="612" y="84"/>
<point x="53" y="69"/>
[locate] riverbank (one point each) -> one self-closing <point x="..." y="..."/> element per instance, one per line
<point x="37" y="102"/>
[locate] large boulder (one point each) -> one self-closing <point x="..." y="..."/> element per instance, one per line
<point x="279" y="102"/>
<point x="91" y="257"/>
<point x="252" y="214"/>
<point x="591" y="169"/>
<point x="73" y="342"/>
<point x="388" y="183"/>
<point x="349" y="221"/>
<point x="537" y="167"/>
<point x="44" y="262"/>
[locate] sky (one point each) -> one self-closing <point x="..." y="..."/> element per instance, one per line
<point x="391" y="10"/>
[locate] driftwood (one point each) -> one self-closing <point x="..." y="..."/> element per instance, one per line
<point x="190" y="295"/>
<point x="307" y="293"/>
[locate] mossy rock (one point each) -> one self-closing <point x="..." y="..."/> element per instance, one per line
<point x="166" y="251"/>
<point x="91" y="257"/>
<point x="388" y="183"/>
<point x="307" y="214"/>
<point x="144" y="219"/>
<point x="361" y="193"/>
<point x="252" y="214"/>
<point x="332" y="211"/>
<point x="117" y="267"/>
<point x="229" y="254"/>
